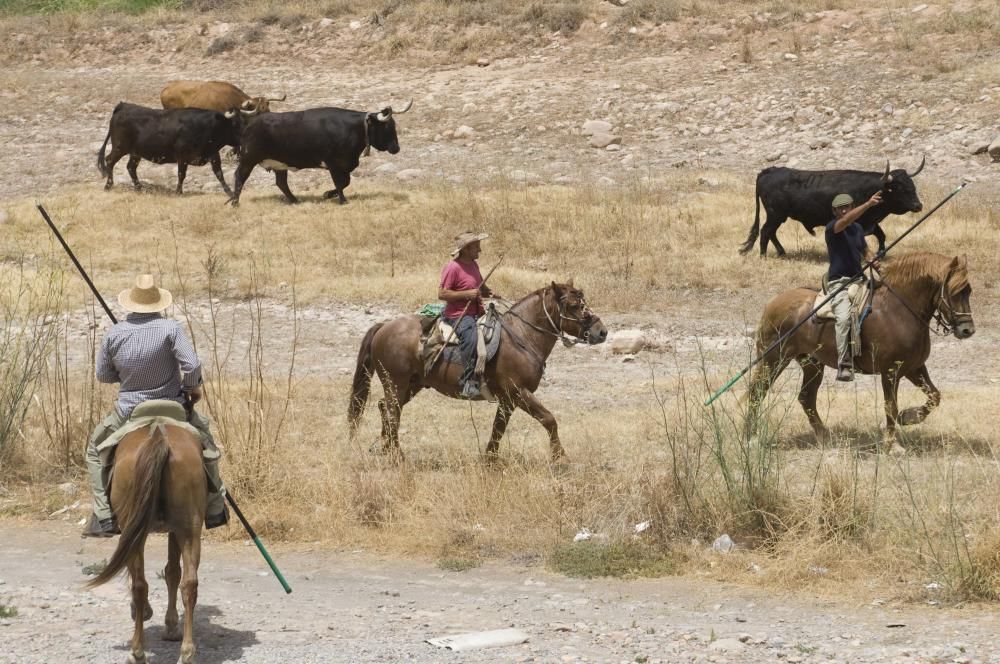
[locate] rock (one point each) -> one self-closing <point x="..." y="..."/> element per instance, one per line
<point x="773" y="156"/>
<point x="605" y="181"/>
<point x="483" y="62"/>
<point x="409" y="174"/>
<point x="790" y="56"/>
<point x="979" y="147"/>
<point x="994" y="149"/>
<point x="388" y="168"/>
<point x="627" y="342"/>
<point x="324" y="23"/>
<point x="887" y="109"/>
<point x="68" y="488"/>
<point x="919" y="8"/>
<point x="727" y="645"/>
<point x="603" y="140"/>
<point x="708" y="182"/>
<point x="468" y="108"/>
<point x="355" y="25"/>
<point x="723" y="543"/>
<point x="591" y="127"/>
<point x="614" y="147"/>
<point x="464" y="131"/>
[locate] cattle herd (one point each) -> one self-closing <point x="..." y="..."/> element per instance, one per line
<point x="199" y="118"/>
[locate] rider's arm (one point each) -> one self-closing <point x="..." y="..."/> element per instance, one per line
<point x="855" y="213"/>
<point x="106" y="371"/>
<point x="187" y="359"/>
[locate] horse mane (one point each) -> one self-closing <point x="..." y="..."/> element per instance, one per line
<point x="541" y="293"/>
<point x="919" y="266"/>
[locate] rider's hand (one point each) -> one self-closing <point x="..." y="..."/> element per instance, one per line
<point x="875" y="199"/>
<point x="485" y="290"/>
<point x="472" y="294"/>
<point x="194" y="394"/>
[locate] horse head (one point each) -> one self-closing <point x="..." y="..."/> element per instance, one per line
<point x="953" y="301"/>
<point x="575" y="317"/>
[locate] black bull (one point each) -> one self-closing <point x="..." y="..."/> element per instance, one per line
<point x="330" y="138"/>
<point x="184" y="137"/>
<point x="806" y="196"/>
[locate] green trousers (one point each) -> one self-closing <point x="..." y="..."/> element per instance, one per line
<point x="842" y="310"/>
<point x="96" y="470"/>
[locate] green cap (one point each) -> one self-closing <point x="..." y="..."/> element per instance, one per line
<point x="842" y="199"/>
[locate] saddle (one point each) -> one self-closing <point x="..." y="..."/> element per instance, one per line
<point x="436" y="334"/>
<point x="860" y="294"/>
<point x="157" y="411"/>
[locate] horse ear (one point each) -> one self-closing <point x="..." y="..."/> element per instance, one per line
<point x="955" y="262"/>
<point x="570" y="282"/>
<point x="556" y="288"/>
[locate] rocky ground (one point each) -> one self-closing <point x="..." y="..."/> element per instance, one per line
<point x="358" y="607"/>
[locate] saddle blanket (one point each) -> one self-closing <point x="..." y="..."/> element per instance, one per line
<point x="858" y="292"/>
<point x="149" y="413"/>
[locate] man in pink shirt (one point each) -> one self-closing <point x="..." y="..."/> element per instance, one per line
<point x="462" y="288"/>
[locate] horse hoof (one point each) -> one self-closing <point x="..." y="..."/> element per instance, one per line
<point x="134" y="658"/>
<point x="911" y="416"/>
<point x="897" y="450"/>
<point x="172" y="634"/>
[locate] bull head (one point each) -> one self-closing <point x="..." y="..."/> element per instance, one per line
<point x="387" y="112"/>
<point x="886" y="177"/>
<point x="919" y="168"/>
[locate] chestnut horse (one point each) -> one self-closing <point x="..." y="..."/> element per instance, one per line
<point x="159" y="485"/>
<point x="917" y="288"/>
<point x="529" y="331"/>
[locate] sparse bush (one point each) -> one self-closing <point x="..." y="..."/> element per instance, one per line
<point x="7" y="610"/>
<point x="649" y="11"/>
<point x="455" y="564"/>
<point x="221" y="44"/>
<point x="591" y="559"/>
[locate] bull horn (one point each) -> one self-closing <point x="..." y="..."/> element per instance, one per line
<point x="247" y="104"/>
<point x="231" y="113"/>
<point x="886" y="177"/>
<point x="246" y="112"/>
<point x="384" y="114"/>
<point x="408" y="105"/>
<point x="919" y="168"/>
<point x="276" y="99"/>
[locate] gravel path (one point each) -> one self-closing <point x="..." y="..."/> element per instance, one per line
<point x="358" y="607"/>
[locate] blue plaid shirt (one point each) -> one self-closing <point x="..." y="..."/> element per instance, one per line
<point x="147" y="354"/>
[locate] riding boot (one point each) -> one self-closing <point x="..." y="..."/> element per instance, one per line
<point x="216" y="512"/>
<point x="845" y="373"/>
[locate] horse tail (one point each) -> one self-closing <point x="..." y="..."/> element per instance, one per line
<point x="101" y="164"/>
<point x="362" y="379"/>
<point x="141" y="505"/>
<point x="755" y="229"/>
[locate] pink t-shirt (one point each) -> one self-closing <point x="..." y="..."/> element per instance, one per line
<point x="459" y="276"/>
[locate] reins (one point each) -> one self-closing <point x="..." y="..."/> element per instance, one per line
<point x="943" y="326"/>
<point x="556" y="330"/>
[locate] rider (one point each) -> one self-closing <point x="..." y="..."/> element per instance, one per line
<point x="147" y="354"/>
<point x="462" y="288"/>
<point x="845" y="243"/>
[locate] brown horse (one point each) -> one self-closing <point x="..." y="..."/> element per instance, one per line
<point x="895" y="337"/>
<point x="159" y="486"/>
<point x="529" y="332"/>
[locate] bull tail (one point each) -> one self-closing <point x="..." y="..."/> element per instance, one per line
<point x="755" y="229"/>
<point x="141" y="505"/>
<point x="362" y="380"/>
<point x="101" y="165"/>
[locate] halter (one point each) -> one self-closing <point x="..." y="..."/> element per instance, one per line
<point x="557" y="330"/>
<point x="945" y="315"/>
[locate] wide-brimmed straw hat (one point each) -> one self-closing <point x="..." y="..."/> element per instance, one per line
<point x="464" y="239"/>
<point x="145" y="297"/>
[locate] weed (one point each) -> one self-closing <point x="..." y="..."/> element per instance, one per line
<point x="458" y="564"/>
<point x="93" y="569"/>
<point x="590" y="559"/>
<point x="7" y="610"/>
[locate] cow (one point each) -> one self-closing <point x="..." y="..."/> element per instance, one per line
<point x="806" y="197"/>
<point x="330" y="138"/>
<point x="213" y="96"/>
<point x="175" y="136"/>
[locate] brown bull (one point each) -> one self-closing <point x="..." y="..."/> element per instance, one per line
<point x="213" y="96"/>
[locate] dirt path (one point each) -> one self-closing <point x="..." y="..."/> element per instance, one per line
<point x="357" y="607"/>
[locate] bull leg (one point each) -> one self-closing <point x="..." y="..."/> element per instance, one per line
<point x="281" y="179"/>
<point x="172" y="575"/>
<point x="340" y="180"/>
<point x="769" y="233"/>
<point x="812" y="378"/>
<point x="890" y="387"/>
<point x="133" y="164"/>
<point x="530" y="404"/>
<point x="243" y="169"/>
<point x="182" y="170"/>
<point x="918" y="414"/>
<point x="112" y="159"/>
<point x="504" y="411"/>
<point x="880" y="236"/>
<point x="216" y="162"/>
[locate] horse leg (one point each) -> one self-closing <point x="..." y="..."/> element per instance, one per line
<point x="504" y="411"/>
<point x="763" y="377"/>
<point x="812" y="378"/>
<point x="191" y="554"/>
<point x="172" y="575"/>
<point x="890" y="385"/>
<point x="532" y="406"/>
<point x="918" y="414"/>
<point x="140" y="597"/>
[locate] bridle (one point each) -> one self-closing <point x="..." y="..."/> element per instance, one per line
<point x="586" y="321"/>
<point x="945" y="317"/>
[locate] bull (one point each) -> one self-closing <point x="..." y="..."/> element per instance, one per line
<point x="330" y="138"/>
<point x="806" y="197"/>
<point x="213" y="96"/>
<point x="187" y="136"/>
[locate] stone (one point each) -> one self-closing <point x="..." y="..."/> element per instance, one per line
<point x="727" y="645"/>
<point x="723" y="543"/>
<point x="887" y="109"/>
<point x="464" y="131"/>
<point x="591" y="127"/>
<point x="627" y="342"/>
<point x="387" y="168"/>
<point x="355" y="25"/>
<point x="614" y="147"/>
<point x="994" y="149"/>
<point x="483" y="62"/>
<point x="919" y="8"/>
<point x="324" y="23"/>
<point x="791" y="56"/>
<point x="409" y="174"/>
<point x="708" y="182"/>
<point x="68" y="488"/>
<point x="979" y="147"/>
<point x="603" y="140"/>
<point x="468" y="107"/>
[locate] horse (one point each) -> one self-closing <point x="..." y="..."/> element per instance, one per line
<point x="159" y="485"/>
<point x="529" y="331"/>
<point x="916" y="289"/>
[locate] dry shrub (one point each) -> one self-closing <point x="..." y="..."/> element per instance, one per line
<point x="846" y="506"/>
<point x="221" y="45"/>
<point x="979" y="578"/>
<point x="649" y="11"/>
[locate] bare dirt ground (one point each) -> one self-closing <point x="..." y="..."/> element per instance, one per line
<point x="358" y="607"/>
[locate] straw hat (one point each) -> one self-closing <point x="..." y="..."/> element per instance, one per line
<point x="464" y="239"/>
<point x="145" y="297"/>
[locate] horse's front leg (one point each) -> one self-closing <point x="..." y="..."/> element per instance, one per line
<point x="918" y="414"/>
<point x="140" y="595"/>
<point x="532" y="406"/>
<point x="504" y="411"/>
<point x="890" y="386"/>
<point x="172" y="575"/>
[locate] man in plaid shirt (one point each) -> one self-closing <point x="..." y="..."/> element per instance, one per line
<point x="152" y="358"/>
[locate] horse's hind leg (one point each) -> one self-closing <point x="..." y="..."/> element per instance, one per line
<point x="140" y="597"/>
<point x="504" y="411"/>
<point x="890" y="386"/>
<point x="531" y="405"/>
<point x="172" y="575"/>
<point x="812" y="378"/>
<point x="918" y="414"/>
<point x="760" y="382"/>
<point x="191" y="554"/>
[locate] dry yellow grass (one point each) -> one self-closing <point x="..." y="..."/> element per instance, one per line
<point x="829" y="519"/>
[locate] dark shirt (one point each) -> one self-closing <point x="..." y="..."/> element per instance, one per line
<point x="846" y="249"/>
